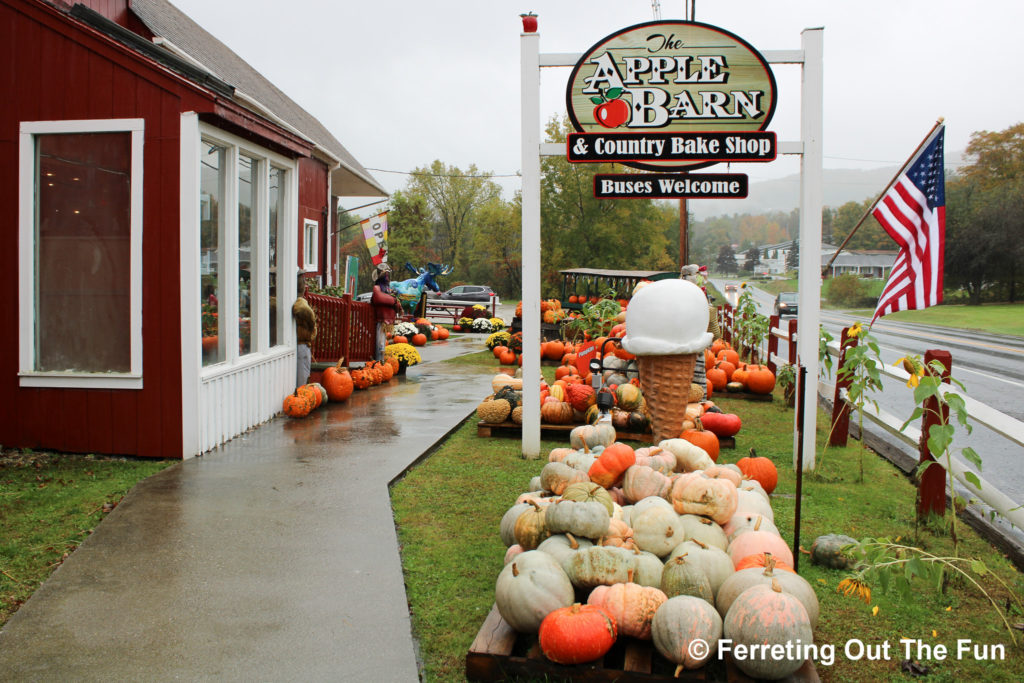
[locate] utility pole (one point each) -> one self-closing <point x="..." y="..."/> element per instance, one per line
<point x="684" y="227"/>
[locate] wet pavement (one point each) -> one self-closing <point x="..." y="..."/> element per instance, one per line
<point x="274" y="557"/>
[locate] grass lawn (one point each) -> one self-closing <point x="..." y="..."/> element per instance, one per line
<point x="997" y="318"/>
<point x="49" y="503"/>
<point x="448" y="508"/>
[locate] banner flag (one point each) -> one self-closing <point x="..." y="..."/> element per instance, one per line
<point x="375" y="231"/>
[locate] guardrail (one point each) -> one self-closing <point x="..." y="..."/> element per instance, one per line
<point x="980" y="413"/>
<point x="446" y="308"/>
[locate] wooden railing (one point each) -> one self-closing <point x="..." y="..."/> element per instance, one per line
<point x="344" y="329"/>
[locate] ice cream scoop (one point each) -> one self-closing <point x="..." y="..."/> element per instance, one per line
<point x="667" y="317"/>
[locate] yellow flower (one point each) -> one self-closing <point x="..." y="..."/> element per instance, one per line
<point x="854" y="331"/>
<point x="874" y="611"/>
<point x="852" y="586"/>
<point x="914" y="368"/>
<point x="948" y="609"/>
<point x="935" y="634"/>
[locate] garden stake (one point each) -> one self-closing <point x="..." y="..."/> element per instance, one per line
<point x="801" y="388"/>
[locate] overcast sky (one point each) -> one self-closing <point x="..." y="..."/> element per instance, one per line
<point x="403" y="82"/>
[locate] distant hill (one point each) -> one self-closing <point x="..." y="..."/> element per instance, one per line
<point x="783" y="194"/>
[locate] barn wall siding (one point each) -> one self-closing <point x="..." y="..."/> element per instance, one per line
<point x="61" y="71"/>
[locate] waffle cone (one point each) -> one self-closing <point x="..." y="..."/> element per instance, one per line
<point x="665" y="381"/>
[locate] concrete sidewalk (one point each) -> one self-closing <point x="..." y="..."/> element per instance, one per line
<point x="273" y="558"/>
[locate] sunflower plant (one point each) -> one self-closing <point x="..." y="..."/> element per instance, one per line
<point x="862" y="368"/>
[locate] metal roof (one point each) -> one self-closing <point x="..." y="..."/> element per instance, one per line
<point x="618" y="273"/>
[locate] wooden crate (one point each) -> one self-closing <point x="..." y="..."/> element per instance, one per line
<point x="489" y="429"/>
<point x="499" y="653"/>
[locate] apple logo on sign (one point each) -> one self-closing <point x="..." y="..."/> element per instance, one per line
<point x="610" y="112"/>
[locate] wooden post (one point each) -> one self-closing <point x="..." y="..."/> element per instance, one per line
<point x="792" y="341"/>
<point x="684" y="226"/>
<point x="840" y="410"/>
<point x="931" y="490"/>
<point x="773" y="343"/>
<point x="801" y="380"/>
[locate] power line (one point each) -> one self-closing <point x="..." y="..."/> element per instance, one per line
<point x="447" y="175"/>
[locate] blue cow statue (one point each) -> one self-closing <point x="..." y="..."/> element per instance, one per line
<point x="409" y="291"/>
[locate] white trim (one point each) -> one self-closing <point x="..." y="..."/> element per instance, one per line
<point x="191" y="315"/>
<point x="313" y="262"/>
<point x="529" y="61"/>
<point x="250" y="360"/>
<point x="28" y="376"/>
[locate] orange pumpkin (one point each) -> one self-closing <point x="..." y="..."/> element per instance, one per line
<point x="761" y="469"/>
<point x="498" y="350"/>
<point x="554" y="350"/>
<point x="753" y="542"/>
<point x="717" y="378"/>
<point x="338" y="382"/>
<point x="555" y="412"/>
<point x="729" y="355"/>
<point x="613" y="462"/>
<point x="507" y="357"/>
<point x="728" y="368"/>
<point x="703" y="438"/>
<point x="296" y="404"/>
<point x="419" y="339"/>
<point x="395" y="365"/>
<point x="576" y="634"/>
<point x="581" y="396"/>
<point x="563" y="370"/>
<point x="740" y="375"/>
<point x="361" y="379"/>
<point x="760" y="380"/>
<point x="758" y="560"/>
<point x="401" y="339"/>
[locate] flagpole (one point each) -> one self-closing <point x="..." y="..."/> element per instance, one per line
<point x="910" y="159"/>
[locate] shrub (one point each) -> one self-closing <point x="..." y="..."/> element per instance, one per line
<point x="848" y="290"/>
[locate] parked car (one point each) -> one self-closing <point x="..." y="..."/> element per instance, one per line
<point x="364" y="297"/>
<point x="785" y="303"/>
<point x="730" y="287"/>
<point x="480" y="293"/>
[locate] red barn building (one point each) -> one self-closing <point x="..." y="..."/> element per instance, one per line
<point x="158" y="198"/>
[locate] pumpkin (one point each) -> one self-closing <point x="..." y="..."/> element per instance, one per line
<point x="704" y="530"/>
<point x="714" y="562"/>
<point x="656" y="458"/>
<point x="729" y="356"/>
<point x="628" y="396"/>
<point x="554" y="350"/>
<point x="581" y="460"/>
<point x="581" y="396"/>
<point x="507" y="357"/>
<point x="576" y="634"/>
<point x="754" y="486"/>
<point x="556" y="476"/>
<point x="581" y="519"/>
<point x="631" y="605"/>
<point x="790" y="582"/>
<point x="689" y="456"/>
<point x="494" y="411"/>
<point x="361" y="379"/>
<point x="657" y="530"/>
<point x="717" y="378"/>
<point x="530" y="528"/>
<point x="742" y="522"/>
<point x="582" y="492"/>
<point x="681" y="621"/>
<point x="611" y="464"/>
<point x="556" y="413"/>
<point x="312" y="394"/>
<point x="296" y="405"/>
<point x="827" y="550"/>
<point x="418" y="339"/>
<point x="619" y="535"/>
<point x="508" y="520"/>
<point x="753" y="542"/>
<point x="562" y="547"/>
<point x="751" y="502"/>
<point x="338" y="382"/>
<point x="760" y="469"/>
<point x="590" y="436"/>
<point x="722" y="424"/>
<point x="648" y="568"/>
<point x="703" y="438"/>
<point x="767" y="617"/>
<point x="681" y="577"/>
<point x="641" y="481"/>
<point x="529" y="588"/>
<point x="502" y="380"/>
<point x="400" y="339"/>
<point x="760" y="561"/>
<point x="760" y="380"/>
<point x="699" y="495"/>
<point x="512" y="552"/>
<point x="600" y="565"/>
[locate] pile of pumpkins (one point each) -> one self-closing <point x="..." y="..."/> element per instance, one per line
<point x="337" y="385"/>
<point x="725" y="371"/>
<point x="662" y="543"/>
<point x="427" y="332"/>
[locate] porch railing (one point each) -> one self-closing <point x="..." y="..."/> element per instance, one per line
<point x="344" y="329"/>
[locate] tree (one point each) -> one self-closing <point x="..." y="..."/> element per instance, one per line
<point x="998" y="157"/>
<point x="726" y="261"/>
<point x="753" y="259"/>
<point x="793" y="257"/>
<point x="579" y="230"/>
<point x="870" y="235"/>
<point x="497" y="247"/>
<point x="453" y="197"/>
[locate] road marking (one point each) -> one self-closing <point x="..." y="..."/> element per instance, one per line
<point x="893" y="328"/>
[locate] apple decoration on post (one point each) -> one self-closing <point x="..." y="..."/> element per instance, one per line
<point x="529" y="22"/>
<point x="610" y="112"/>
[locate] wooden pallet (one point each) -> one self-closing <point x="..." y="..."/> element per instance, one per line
<point x="743" y="395"/>
<point x="499" y="653"/>
<point x="489" y="429"/>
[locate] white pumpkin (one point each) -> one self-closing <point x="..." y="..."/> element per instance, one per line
<point x="689" y="456"/>
<point x="704" y="530"/>
<point x="657" y="530"/>
<point x="529" y="588"/>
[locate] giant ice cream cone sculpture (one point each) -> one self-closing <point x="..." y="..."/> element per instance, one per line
<point x="666" y="327"/>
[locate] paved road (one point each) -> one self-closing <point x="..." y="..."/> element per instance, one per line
<point x="990" y="366"/>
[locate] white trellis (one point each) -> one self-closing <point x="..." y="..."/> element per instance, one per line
<point x="809" y="147"/>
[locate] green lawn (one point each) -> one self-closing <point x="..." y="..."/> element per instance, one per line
<point x="997" y="318"/>
<point x="448" y="508"/>
<point x="49" y="504"/>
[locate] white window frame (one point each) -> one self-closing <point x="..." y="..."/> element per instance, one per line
<point x="310" y="244"/>
<point x="229" y="245"/>
<point x="28" y="376"/>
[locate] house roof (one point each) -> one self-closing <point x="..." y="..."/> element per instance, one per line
<point x="874" y="258"/>
<point x="176" y="32"/>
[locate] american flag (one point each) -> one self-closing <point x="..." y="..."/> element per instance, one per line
<point x="913" y="212"/>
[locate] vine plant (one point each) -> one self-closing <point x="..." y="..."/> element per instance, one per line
<point x="862" y="368"/>
<point x="751" y="326"/>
